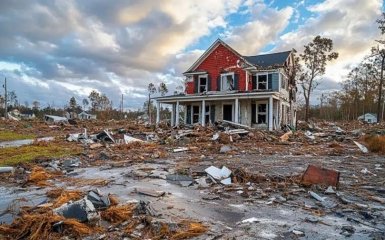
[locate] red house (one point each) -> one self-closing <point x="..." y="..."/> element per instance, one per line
<point x="225" y="85"/>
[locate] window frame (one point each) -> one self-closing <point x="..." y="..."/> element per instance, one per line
<point x="225" y="75"/>
<point x="267" y="81"/>
<point x="199" y="82"/>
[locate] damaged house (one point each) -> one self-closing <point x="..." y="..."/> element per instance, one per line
<point x="224" y="85"/>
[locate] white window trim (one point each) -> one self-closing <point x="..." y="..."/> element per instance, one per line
<point x="264" y="113"/>
<point x="227" y="74"/>
<point x="267" y="80"/>
<point x="192" y="113"/>
<point x="232" y="110"/>
<point x="199" y="82"/>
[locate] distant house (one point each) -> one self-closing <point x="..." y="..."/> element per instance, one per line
<point x="71" y="115"/>
<point x="55" y="119"/>
<point x="27" y="114"/>
<point x="86" y="116"/>
<point x="368" y="117"/>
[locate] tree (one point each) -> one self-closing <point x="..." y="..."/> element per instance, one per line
<point x="35" y="105"/>
<point x="12" y="98"/>
<point x="381" y="53"/>
<point x="73" y="104"/>
<point x="94" y="99"/>
<point x="85" y="103"/>
<point x="314" y="58"/>
<point x="162" y="89"/>
<point x="151" y="90"/>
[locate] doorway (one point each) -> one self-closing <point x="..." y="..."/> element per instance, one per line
<point x="228" y="112"/>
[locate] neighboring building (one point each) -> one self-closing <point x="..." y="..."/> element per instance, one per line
<point x="368" y="117"/>
<point x="27" y="114"/>
<point x="55" y="119"/>
<point x="249" y="90"/>
<point x="86" y="116"/>
<point x="71" y="115"/>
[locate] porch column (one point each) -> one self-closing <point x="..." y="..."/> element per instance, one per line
<point x="281" y="116"/>
<point x="236" y="111"/>
<point x="203" y="113"/>
<point x="185" y="114"/>
<point x="157" y="112"/>
<point x="172" y="114"/>
<point x="177" y="114"/>
<point x="247" y="81"/>
<point x="270" y="114"/>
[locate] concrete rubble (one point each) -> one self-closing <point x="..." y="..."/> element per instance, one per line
<point x="322" y="180"/>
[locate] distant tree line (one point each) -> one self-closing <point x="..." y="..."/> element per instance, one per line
<point x="362" y="90"/>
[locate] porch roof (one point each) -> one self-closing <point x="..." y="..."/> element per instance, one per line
<point x="216" y="96"/>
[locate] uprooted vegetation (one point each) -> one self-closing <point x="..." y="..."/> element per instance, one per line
<point x="375" y="143"/>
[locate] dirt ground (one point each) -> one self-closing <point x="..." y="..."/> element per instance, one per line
<point x="267" y="197"/>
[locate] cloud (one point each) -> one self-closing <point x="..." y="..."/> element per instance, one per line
<point x="114" y="47"/>
<point x="265" y="26"/>
<point x="351" y="24"/>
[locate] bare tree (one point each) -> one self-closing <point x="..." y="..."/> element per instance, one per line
<point x="85" y="103"/>
<point x="162" y="89"/>
<point x="151" y="90"/>
<point x="314" y="58"/>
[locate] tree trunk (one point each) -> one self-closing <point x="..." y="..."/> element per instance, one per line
<point x="148" y="108"/>
<point x="380" y="90"/>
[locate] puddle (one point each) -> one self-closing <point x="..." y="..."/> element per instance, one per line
<point x="18" y="143"/>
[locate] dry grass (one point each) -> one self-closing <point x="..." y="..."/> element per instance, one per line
<point x="39" y="226"/>
<point x="6" y="135"/>
<point x="375" y="143"/>
<point x="118" y="214"/>
<point x="39" y="176"/>
<point x="189" y="230"/>
<point x="28" y="153"/>
<point x="62" y="196"/>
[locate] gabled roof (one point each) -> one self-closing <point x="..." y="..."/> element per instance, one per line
<point x="263" y="60"/>
<point x="271" y="59"/>
<point x="208" y="51"/>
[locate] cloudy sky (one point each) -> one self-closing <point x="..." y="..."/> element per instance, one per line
<point x="51" y="50"/>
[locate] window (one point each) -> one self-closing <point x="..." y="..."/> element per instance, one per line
<point x="227" y="82"/>
<point x="262" y="113"/>
<point x="202" y="83"/>
<point x="195" y="117"/>
<point x="262" y="82"/>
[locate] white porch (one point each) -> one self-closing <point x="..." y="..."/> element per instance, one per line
<point x="265" y="111"/>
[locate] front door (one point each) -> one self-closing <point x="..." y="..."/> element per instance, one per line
<point x="228" y="112"/>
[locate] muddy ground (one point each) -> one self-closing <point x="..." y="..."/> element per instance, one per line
<point x="266" y="199"/>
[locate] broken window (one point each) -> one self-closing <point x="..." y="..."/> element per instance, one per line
<point x="227" y="82"/>
<point x="195" y="114"/>
<point x="202" y="83"/>
<point x="262" y="113"/>
<point x="262" y="82"/>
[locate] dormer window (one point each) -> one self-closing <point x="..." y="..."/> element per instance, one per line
<point x="227" y="81"/>
<point x="202" y="83"/>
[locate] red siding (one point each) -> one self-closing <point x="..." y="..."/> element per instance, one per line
<point x="221" y="60"/>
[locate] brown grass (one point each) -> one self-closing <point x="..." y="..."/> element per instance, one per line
<point x="39" y="226"/>
<point x="39" y="176"/>
<point x="189" y="230"/>
<point x="118" y="214"/>
<point x="64" y="196"/>
<point x="375" y="143"/>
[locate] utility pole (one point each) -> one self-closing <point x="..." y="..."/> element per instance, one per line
<point x="5" y="99"/>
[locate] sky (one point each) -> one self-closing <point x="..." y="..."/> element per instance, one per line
<point x="51" y="50"/>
